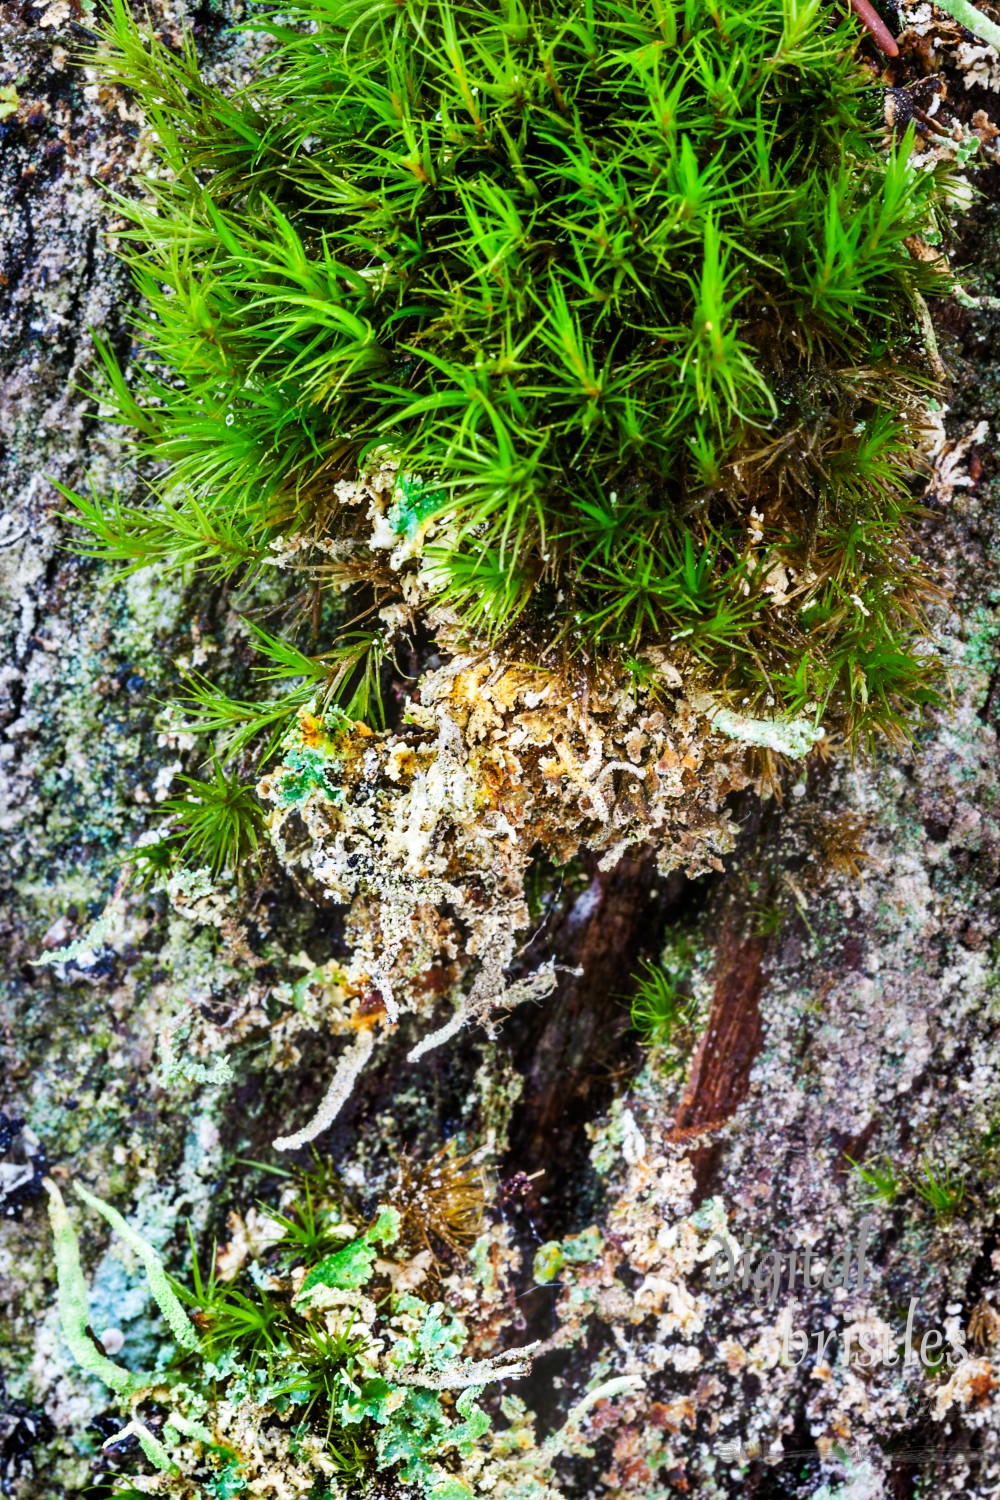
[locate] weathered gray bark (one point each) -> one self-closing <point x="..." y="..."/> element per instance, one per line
<point x="847" y="1013"/>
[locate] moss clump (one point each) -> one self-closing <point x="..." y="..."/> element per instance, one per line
<point x="314" y="1363"/>
<point x="623" y="289"/>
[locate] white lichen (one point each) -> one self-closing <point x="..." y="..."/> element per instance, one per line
<point x="341" y="1086"/>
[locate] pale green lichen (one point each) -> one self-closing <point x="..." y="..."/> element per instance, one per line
<point x="163" y="1294"/>
<point x="74" y="1314"/>
<point x="179" y="1066"/>
<point x="473" y="1374"/>
<point x="150" y="1444"/>
<point x="85" y="949"/>
<point x="791" y="737"/>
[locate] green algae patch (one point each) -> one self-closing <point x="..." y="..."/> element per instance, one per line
<point x="306" y="771"/>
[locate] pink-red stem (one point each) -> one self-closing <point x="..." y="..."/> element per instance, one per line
<point x="874" y="23"/>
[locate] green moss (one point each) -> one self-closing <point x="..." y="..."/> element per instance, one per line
<point x="659" y="1006"/>
<point x="626" y="284"/>
<point x="367" y="1395"/>
<point x="217" y="823"/>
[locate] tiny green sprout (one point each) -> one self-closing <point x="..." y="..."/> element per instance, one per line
<point x="350" y="1458"/>
<point x="769" y="918"/>
<point x="882" y="1184"/>
<point x="152" y="859"/>
<point x="643" y="675"/>
<point x="228" y="1318"/>
<point x="311" y="1229"/>
<point x="220" y="821"/>
<point x="938" y="1188"/>
<point x="658" y="1005"/>
<point x="251" y="1326"/>
<point x="321" y="1364"/>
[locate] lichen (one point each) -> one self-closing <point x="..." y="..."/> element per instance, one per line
<point x="175" y="1025"/>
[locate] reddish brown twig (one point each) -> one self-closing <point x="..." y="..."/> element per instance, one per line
<point x="929" y="123"/>
<point x="692" y="1132"/>
<point x="874" y="23"/>
<point x="719" y="1078"/>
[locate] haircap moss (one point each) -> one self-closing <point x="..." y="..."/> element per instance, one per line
<point x="620" y="296"/>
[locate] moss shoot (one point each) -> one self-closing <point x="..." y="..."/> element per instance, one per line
<point x="622" y="288"/>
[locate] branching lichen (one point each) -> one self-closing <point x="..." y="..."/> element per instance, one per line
<point x="511" y="1364"/>
<point x="336" y="1096"/>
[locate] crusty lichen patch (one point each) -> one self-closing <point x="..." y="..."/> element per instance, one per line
<point x="427" y="830"/>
